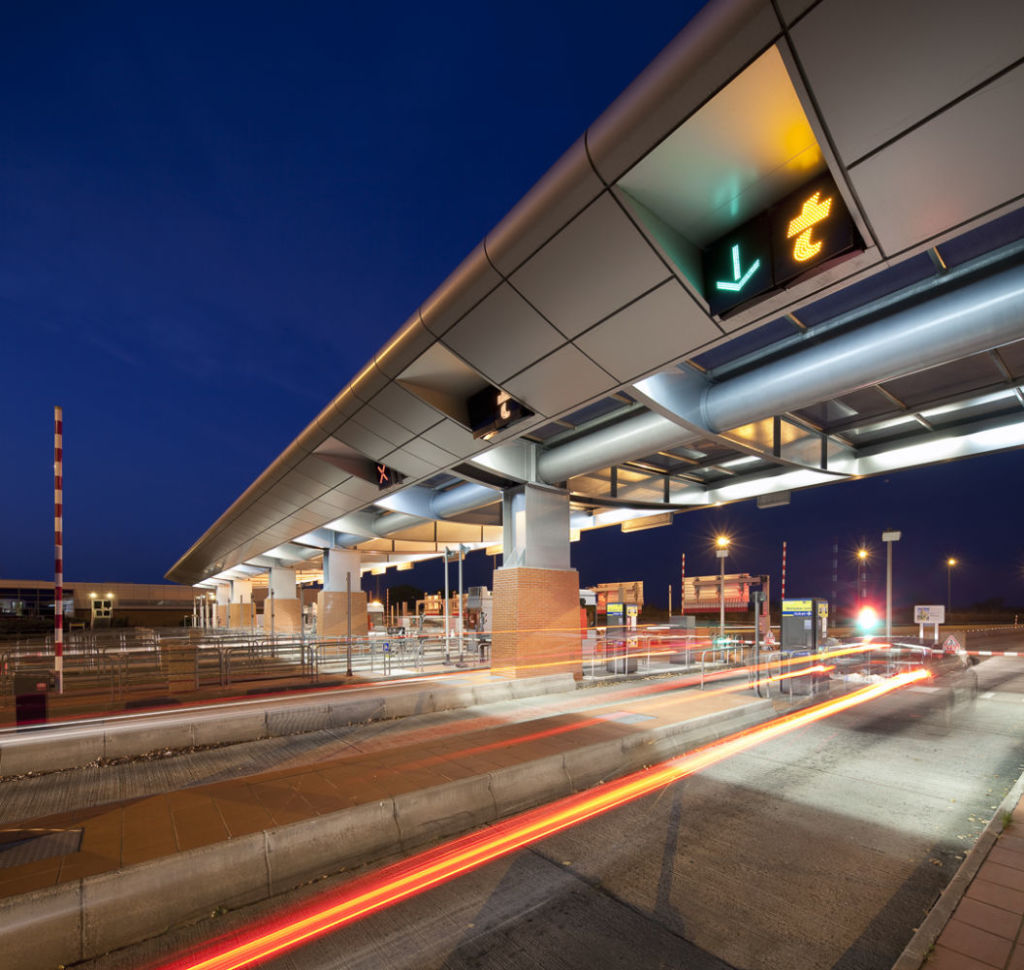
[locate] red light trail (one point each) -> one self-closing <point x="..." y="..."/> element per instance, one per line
<point x="378" y="890"/>
<point x="506" y="743"/>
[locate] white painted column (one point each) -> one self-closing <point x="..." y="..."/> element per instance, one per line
<point x="221" y="617"/>
<point x="535" y="527"/>
<point x="338" y="562"/>
<point x="282" y="603"/>
<point x="282" y="582"/>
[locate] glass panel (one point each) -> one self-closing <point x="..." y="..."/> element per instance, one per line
<point x="747" y="342"/>
<point x="968" y="374"/>
<point x="895" y="278"/>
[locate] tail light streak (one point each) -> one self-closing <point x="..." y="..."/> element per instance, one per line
<point x="385" y="887"/>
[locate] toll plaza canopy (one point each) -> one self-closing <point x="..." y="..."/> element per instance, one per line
<point x="791" y="252"/>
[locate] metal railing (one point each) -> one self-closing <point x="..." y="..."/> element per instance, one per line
<point x="112" y="664"/>
<point x="117" y="665"/>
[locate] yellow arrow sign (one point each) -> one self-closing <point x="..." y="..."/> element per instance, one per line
<point x="812" y="212"/>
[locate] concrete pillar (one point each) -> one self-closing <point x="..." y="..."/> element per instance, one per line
<point x="241" y="616"/>
<point x="536" y="600"/>
<point x="332" y="601"/>
<point x="281" y="613"/>
<point x="223" y="604"/>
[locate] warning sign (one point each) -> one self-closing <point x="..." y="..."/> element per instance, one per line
<point x="951" y="645"/>
<point x="769" y="639"/>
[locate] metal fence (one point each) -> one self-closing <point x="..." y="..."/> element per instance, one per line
<point x="140" y="664"/>
<point x="116" y="664"/>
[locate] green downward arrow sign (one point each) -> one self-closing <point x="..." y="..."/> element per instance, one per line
<point x="739" y="279"/>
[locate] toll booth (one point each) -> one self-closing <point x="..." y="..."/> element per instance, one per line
<point x="615" y="614"/>
<point x="617" y="641"/>
<point x="632" y="612"/>
<point x="804" y="623"/>
<point x="375" y="615"/>
<point x="479" y="609"/>
<point x="804" y="628"/>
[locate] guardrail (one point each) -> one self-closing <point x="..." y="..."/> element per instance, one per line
<point x="111" y="665"/>
<point x="115" y="666"/>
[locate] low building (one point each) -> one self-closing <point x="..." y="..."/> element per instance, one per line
<point x="99" y="603"/>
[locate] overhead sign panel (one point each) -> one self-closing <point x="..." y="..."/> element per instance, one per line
<point x="807" y="229"/>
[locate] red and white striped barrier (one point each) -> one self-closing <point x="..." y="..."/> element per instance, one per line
<point x="58" y="548"/>
<point x="682" y="586"/>
<point x="783" y="590"/>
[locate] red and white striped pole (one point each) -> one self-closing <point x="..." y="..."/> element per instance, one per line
<point x="783" y="590"/>
<point x="682" y="587"/>
<point x="58" y="548"/>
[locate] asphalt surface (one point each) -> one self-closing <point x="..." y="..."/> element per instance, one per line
<point x="822" y="849"/>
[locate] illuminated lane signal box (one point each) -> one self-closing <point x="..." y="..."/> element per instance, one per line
<point x="809" y="228"/>
<point x="387" y="477"/>
<point x="806" y="230"/>
<point x="739" y="267"/>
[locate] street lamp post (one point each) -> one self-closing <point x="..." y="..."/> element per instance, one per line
<point x="862" y="561"/>
<point x="950" y="563"/>
<point x="721" y="551"/>
<point x="889" y="537"/>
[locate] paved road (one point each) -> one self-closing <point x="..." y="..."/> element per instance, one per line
<point x="823" y="849"/>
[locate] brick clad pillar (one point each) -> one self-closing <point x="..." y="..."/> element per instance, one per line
<point x="332" y="613"/>
<point x="240" y="614"/>
<point x="341" y="567"/>
<point x="536" y="628"/>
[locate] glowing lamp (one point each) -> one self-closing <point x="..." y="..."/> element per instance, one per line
<point x="867" y="618"/>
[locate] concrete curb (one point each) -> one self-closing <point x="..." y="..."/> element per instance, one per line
<point x="84" y="919"/>
<point x="73" y="746"/>
<point x="917" y="950"/>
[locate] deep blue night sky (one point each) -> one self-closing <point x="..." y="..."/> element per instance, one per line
<point x="213" y="214"/>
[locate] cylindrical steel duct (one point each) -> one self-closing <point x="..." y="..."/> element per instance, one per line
<point x="639" y="435"/>
<point x="980" y="316"/>
<point x="463" y="498"/>
<point x="455" y="501"/>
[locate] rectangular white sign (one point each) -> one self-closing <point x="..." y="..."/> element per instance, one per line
<point x="929" y="614"/>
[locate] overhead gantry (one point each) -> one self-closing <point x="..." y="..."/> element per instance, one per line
<point x="750" y="276"/>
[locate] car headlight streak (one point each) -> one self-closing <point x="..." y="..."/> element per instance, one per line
<point x="385" y="887"/>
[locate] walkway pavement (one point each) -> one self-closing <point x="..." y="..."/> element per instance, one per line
<point x="986" y="929"/>
<point x="361" y="764"/>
